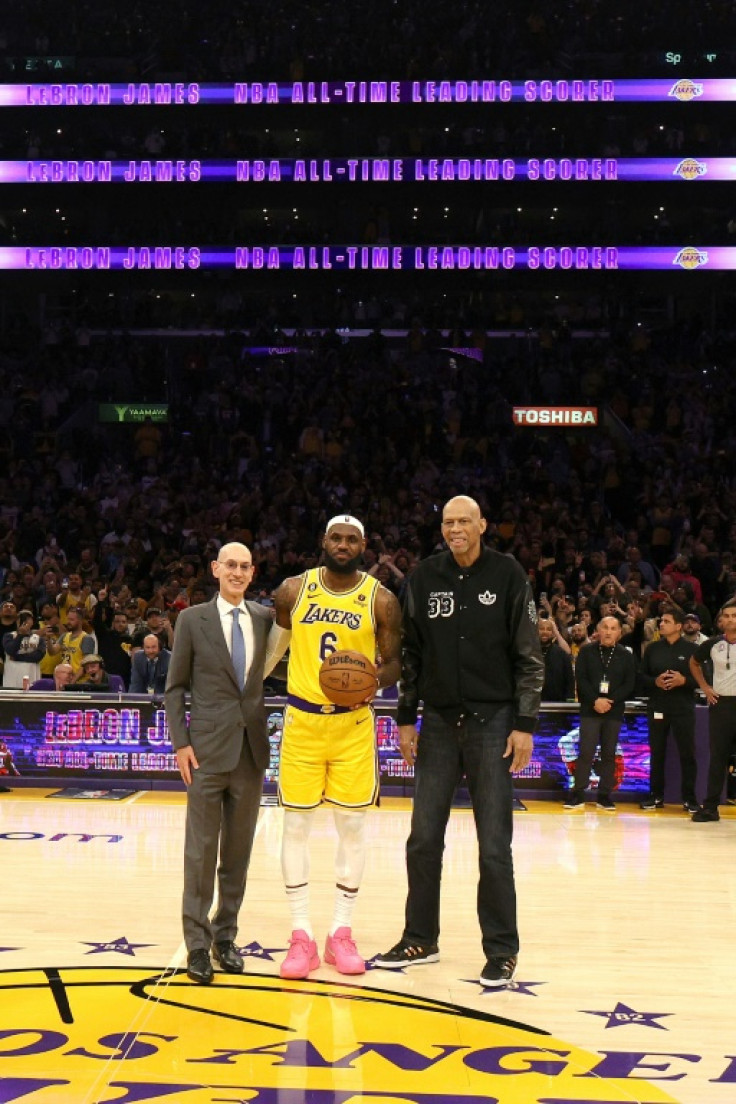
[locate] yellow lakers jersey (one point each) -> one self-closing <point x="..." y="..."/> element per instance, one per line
<point x="324" y="621"/>
<point x="71" y="650"/>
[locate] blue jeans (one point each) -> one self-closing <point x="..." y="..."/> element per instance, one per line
<point x="446" y="751"/>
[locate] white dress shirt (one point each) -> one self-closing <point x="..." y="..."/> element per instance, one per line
<point x="226" y="619"/>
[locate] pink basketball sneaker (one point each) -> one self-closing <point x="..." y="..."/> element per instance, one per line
<point x="302" y="956"/>
<point x="340" y="951"/>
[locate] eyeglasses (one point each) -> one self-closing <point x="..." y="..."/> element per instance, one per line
<point x="231" y="565"/>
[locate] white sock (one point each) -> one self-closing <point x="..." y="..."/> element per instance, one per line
<point x="349" y="865"/>
<point x="295" y="867"/>
<point x="344" y="905"/>
<point x="298" y="899"/>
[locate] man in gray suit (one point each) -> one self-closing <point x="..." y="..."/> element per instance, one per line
<point x="218" y="658"/>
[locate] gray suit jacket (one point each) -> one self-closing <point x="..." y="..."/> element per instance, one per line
<point x="200" y="665"/>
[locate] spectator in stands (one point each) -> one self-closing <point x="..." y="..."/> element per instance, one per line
<point x="578" y="639"/>
<point x="726" y="585"/>
<point x="159" y="625"/>
<point x="691" y="628"/>
<point x="47" y="584"/>
<point x="559" y="682"/>
<point x="562" y="612"/>
<point x="75" y="643"/>
<point x="150" y="667"/>
<point x="62" y="678"/>
<point x="92" y="676"/>
<point x="74" y="595"/>
<point x="136" y="624"/>
<point x="706" y="567"/>
<point x="50" y="552"/>
<point x="684" y="597"/>
<point x="148" y="441"/>
<point x="635" y="562"/>
<point x="63" y="675"/>
<point x="87" y="568"/>
<point x="679" y="571"/>
<point x="111" y="630"/>
<point x="24" y="648"/>
<point x="663" y="523"/>
<point x="51" y="629"/>
<point x="8" y="618"/>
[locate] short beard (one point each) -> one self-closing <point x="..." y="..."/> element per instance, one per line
<point x="347" y="568"/>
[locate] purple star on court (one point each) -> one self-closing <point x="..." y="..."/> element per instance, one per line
<point x="371" y="964"/>
<point x="255" y="950"/>
<point x="523" y="987"/>
<point x="116" y="946"/>
<point x="623" y="1016"/>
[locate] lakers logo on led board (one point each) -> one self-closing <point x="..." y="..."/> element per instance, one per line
<point x="690" y="257"/>
<point x="690" y="169"/>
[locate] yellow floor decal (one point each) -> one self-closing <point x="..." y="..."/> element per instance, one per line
<point x="130" y="1034"/>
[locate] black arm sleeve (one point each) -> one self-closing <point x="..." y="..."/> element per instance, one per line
<point x="527" y="658"/>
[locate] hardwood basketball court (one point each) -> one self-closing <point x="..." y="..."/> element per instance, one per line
<point x="624" y="992"/>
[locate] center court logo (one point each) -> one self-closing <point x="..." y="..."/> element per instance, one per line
<point x="124" y="1035"/>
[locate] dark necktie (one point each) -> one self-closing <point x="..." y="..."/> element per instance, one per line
<point x="151" y="672"/>
<point x="238" y="651"/>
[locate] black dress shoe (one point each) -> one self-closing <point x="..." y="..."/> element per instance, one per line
<point x="199" y="967"/>
<point x="226" y="954"/>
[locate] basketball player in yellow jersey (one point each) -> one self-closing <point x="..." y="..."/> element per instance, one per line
<point x="328" y="752"/>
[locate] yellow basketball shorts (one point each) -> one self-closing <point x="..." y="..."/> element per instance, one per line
<point x="328" y="758"/>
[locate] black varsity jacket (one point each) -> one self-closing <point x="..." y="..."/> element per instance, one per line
<point x="470" y="640"/>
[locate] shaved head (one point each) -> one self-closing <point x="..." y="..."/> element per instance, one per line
<point x="233" y="570"/>
<point x="234" y="550"/>
<point x="463" y="527"/>
<point x="463" y="503"/>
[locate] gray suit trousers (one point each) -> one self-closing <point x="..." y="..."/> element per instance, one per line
<point x="221" y="807"/>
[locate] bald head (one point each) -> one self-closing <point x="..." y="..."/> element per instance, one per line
<point x="463" y="527"/>
<point x="609" y="631"/>
<point x="63" y="674"/>
<point x="233" y="570"/>
<point x="151" y="646"/>
<point x="464" y="503"/>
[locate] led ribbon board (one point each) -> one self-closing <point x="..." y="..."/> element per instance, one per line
<point x="101" y="94"/>
<point x="393" y="258"/>
<point x="372" y="170"/>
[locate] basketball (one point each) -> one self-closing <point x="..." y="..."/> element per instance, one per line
<point x="346" y="677"/>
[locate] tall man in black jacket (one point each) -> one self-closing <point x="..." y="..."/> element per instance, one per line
<point x="667" y="681"/>
<point x="470" y="652"/>
<point x="606" y="677"/>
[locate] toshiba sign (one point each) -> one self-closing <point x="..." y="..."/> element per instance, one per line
<point x="555" y="415"/>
